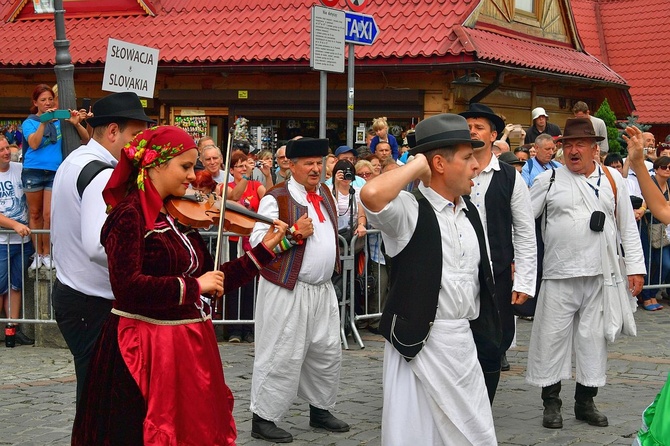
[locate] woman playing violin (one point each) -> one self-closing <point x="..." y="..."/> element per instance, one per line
<point x="156" y="374"/>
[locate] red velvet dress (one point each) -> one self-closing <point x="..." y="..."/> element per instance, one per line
<point x="156" y="376"/>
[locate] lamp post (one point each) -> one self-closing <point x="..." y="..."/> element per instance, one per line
<point x="65" y="79"/>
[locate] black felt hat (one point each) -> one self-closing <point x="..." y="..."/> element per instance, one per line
<point x="510" y="158"/>
<point x="441" y="131"/>
<point x="478" y="110"/>
<point x="118" y="106"/>
<point x="304" y="147"/>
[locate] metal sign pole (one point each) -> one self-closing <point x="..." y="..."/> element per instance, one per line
<point x="323" y="98"/>
<point x="323" y="105"/>
<point x="350" y="97"/>
<point x="65" y="79"/>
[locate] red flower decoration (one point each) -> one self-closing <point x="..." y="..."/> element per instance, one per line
<point x="149" y="157"/>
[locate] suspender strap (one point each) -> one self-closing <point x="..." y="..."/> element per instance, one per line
<point x="90" y="171"/>
<point x="613" y="184"/>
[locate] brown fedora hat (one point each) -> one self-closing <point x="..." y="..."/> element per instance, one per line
<point x="579" y="128"/>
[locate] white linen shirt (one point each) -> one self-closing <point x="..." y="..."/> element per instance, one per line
<point x="320" y="250"/>
<point x="523" y="226"/>
<point x="572" y="249"/>
<point x="459" y="286"/>
<point x="81" y="262"/>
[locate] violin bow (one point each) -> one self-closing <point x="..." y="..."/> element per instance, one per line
<point x="224" y="193"/>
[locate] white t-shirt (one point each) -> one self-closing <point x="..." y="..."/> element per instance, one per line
<point x="13" y="201"/>
<point x="343" y="208"/>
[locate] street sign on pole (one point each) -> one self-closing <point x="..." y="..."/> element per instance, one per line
<point x="357" y="5"/>
<point x="327" y="49"/>
<point x="361" y="28"/>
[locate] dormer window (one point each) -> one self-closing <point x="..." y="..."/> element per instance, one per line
<point x="525" y="5"/>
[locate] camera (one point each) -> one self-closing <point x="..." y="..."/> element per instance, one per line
<point x="597" y="222"/>
<point x="258" y="164"/>
<point x="349" y="174"/>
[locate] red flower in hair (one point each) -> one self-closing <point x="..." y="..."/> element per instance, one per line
<point x="149" y="157"/>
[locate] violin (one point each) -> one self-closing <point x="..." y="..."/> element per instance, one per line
<point x="200" y="213"/>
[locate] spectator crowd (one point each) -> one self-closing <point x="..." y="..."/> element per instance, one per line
<point x="542" y="223"/>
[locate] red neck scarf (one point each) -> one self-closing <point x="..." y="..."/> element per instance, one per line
<point x="316" y="199"/>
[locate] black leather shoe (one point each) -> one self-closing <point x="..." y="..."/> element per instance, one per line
<point x="504" y="364"/>
<point x="22" y="339"/>
<point x="326" y="420"/>
<point x="267" y="430"/>
<point x="588" y="412"/>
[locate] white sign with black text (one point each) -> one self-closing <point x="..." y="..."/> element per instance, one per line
<point x="130" y="67"/>
<point x="327" y="49"/>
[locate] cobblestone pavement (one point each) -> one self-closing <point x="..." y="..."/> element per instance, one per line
<point x="37" y="393"/>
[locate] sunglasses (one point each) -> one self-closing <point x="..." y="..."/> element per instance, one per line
<point x="364" y="174"/>
<point x="664" y="167"/>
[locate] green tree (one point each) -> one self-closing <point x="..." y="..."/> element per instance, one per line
<point x="613" y="135"/>
<point x="631" y="121"/>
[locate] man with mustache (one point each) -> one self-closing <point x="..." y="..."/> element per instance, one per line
<point x="587" y="225"/>
<point x="297" y="337"/>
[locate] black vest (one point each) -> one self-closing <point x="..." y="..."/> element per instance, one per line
<point x="416" y="274"/>
<point x="499" y="217"/>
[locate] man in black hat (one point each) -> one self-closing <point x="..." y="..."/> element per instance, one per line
<point x="584" y="295"/>
<point x="440" y="308"/>
<point x="82" y="295"/>
<point x="503" y="202"/>
<point x="298" y="349"/>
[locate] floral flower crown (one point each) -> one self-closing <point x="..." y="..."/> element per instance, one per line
<point x="144" y="154"/>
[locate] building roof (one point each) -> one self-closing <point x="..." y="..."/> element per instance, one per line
<point x="528" y="54"/>
<point x="628" y="35"/>
<point x="258" y="32"/>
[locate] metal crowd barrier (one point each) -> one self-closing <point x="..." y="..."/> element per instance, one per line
<point x="33" y="296"/>
<point x="653" y="257"/>
<point x="356" y="309"/>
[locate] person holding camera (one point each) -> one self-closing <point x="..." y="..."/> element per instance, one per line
<point x="42" y="155"/>
<point x="350" y="214"/>
<point x="263" y="171"/>
<point x="586" y="210"/>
